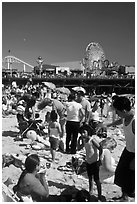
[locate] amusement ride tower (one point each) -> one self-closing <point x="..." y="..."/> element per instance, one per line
<point x="94" y="57"/>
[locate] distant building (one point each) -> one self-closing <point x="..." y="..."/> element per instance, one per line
<point x="62" y="70"/>
<point x="75" y="65"/>
<point x="130" y="69"/>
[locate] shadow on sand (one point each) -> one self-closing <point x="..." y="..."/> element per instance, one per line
<point x="70" y="194"/>
<point x="9" y="133"/>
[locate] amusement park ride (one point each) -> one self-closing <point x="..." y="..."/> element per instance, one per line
<point x="94" y="62"/>
<point x="94" y="57"/>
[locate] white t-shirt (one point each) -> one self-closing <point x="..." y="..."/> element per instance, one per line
<point x="73" y="111"/>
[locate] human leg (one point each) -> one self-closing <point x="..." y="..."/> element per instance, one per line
<point x="54" y="142"/>
<point x="53" y="154"/>
<point x="68" y="135"/>
<point x="63" y="124"/>
<point x="75" y="129"/>
<point x="99" y="189"/>
<point x="96" y="179"/>
<point x="90" y="185"/>
<point x="89" y="173"/>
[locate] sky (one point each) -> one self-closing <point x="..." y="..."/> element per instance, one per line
<point x="61" y="31"/>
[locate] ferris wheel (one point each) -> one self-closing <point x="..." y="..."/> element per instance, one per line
<point x="94" y="56"/>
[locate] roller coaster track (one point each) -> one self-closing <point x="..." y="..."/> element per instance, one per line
<point x="13" y="59"/>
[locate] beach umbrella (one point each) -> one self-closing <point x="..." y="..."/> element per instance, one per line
<point x="63" y="90"/>
<point x="79" y="88"/>
<point x="49" y="85"/>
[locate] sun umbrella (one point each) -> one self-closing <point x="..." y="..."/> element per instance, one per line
<point x="49" y="85"/>
<point x="63" y="90"/>
<point x="79" y="88"/>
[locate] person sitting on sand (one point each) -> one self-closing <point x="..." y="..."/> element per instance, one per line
<point x="31" y="183"/>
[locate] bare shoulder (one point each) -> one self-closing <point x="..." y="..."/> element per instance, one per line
<point x="95" y="142"/>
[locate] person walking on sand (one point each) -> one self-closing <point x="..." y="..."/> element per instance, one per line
<point x="125" y="170"/>
<point x="54" y="131"/>
<point x="92" y="163"/>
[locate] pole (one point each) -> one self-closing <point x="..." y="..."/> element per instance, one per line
<point x="40" y="61"/>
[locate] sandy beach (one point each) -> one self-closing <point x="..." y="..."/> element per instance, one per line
<point x="60" y="182"/>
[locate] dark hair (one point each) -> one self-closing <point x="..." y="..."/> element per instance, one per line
<point x="31" y="102"/>
<point x="30" y="165"/>
<point x="53" y="115"/>
<point x="88" y="128"/>
<point x="31" y="162"/>
<point x="114" y="97"/>
<point x="122" y="103"/>
<point x="71" y="97"/>
<point x="81" y="93"/>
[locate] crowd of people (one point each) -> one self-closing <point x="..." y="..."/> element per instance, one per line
<point x="68" y="116"/>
